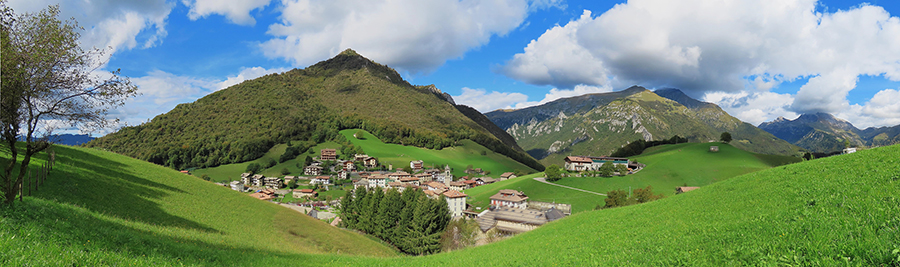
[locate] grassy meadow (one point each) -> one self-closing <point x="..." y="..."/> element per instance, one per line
<point x="458" y="157"/>
<point x="688" y="164"/>
<point x="100" y="208"/>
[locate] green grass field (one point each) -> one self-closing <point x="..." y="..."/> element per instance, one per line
<point x="841" y="210"/>
<point x="688" y="164"/>
<point x="458" y="157"/>
<point x="100" y="208"/>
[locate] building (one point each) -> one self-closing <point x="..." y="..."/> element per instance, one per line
<point x="348" y="165"/>
<point x="324" y="180"/>
<point x="343" y="174"/>
<point x="507" y="175"/>
<point x="272" y="182"/>
<point x="371" y="162"/>
<point x="313" y="170"/>
<point x="379" y="180"/>
<point x="458" y="186"/>
<point x="424" y="177"/>
<point x="257" y="180"/>
<point x="237" y="186"/>
<point x="583" y="163"/>
<point x="682" y="189"/>
<point x="360" y="157"/>
<point x="575" y="163"/>
<point x="289" y="178"/>
<point x="435" y="186"/>
<point x="509" y="198"/>
<point x="513" y="221"/>
<point x="410" y="180"/>
<point x="849" y="150"/>
<point x="399" y="175"/>
<point x="328" y="154"/>
<point x="364" y="183"/>
<point x="416" y="165"/>
<point x="485" y="180"/>
<point x="456" y="201"/>
<point x="301" y="193"/>
<point x="266" y="194"/>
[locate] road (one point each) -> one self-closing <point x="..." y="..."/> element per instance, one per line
<point x="544" y="180"/>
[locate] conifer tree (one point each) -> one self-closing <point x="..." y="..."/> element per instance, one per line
<point x="388" y="214"/>
<point x="348" y="210"/>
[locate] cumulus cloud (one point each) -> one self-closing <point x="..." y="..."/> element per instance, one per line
<point x="412" y="35"/>
<point x="719" y="46"/>
<point x="753" y="107"/>
<point x="882" y="110"/>
<point x="248" y="74"/>
<point x="110" y="23"/>
<point x="483" y="101"/>
<point x="237" y="11"/>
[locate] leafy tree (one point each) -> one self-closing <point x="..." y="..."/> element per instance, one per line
<point x="725" y="137"/>
<point x="407" y="169"/>
<point x="360" y="135"/>
<point x="45" y="76"/>
<point x="846" y="143"/>
<point x="292" y="184"/>
<point x="253" y="168"/>
<point x="606" y="169"/>
<point x="616" y="198"/>
<point x="553" y="173"/>
<point x="307" y="161"/>
<point x="285" y="171"/>
<point x="205" y="177"/>
<point x="643" y="195"/>
<point x="270" y="163"/>
<point x="621" y="169"/>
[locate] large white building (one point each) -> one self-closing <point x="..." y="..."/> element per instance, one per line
<point x="456" y="201"/>
<point x="582" y="163"/>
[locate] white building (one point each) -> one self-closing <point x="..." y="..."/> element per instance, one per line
<point x="456" y="201"/>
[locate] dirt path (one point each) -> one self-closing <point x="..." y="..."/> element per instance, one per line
<point x="544" y="180"/>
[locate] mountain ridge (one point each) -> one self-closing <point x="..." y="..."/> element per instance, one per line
<point x="824" y="133"/>
<point x="242" y="122"/>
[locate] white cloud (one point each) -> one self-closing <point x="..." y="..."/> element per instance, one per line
<point x="237" y="11"/>
<point x="483" y="101"/>
<point x="557" y="93"/>
<point x="753" y="107"/>
<point x="110" y="23"/>
<point x="882" y="110"/>
<point x="248" y="74"/>
<point x="412" y="35"/>
<point x="719" y="46"/>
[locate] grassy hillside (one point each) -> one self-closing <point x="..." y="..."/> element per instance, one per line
<point x="232" y="172"/>
<point x="688" y="164"/>
<point x="458" y="157"/>
<point x="101" y="208"/>
<point x="841" y="210"/>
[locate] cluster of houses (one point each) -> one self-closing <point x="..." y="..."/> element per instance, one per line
<point x="589" y="163"/>
<point x="510" y="213"/>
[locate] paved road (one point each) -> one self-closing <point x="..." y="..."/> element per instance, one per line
<point x="543" y="180"/>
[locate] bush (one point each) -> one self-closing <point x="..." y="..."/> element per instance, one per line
<point x="285" y="171"/>
<point x="553" y="173"/>
<point x="253" y="168"/>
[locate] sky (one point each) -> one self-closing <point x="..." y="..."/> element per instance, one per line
<point x="757" y="59"/>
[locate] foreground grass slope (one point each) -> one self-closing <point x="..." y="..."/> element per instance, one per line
<point x="102" y="208"/>
<point x="842" y="210"/>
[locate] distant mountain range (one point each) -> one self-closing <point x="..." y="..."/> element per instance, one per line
<point x="348" y="91"/>
<point x="824" y="133"/>
<point x="68" y="139"/>
<point x="598" y="124"/>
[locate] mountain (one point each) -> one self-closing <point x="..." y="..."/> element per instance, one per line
<point x="242" y="122"/>
<point x="598" y="124"/>
<point x="823" y="133"/>
<point x="67" y="139"/>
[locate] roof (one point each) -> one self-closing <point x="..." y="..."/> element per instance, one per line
<point x="578" y="159"/>
<point x="409" y="179"/>
<point x="314" y="166"/>
<point x="520" y="216"/>
<point x="506" y="174"/>
<point x="457" y="183"/>
<point x="509" y="195"/>
<point x="454" y="194"/>
<point x="362" y="181"/>
<point x="400" y="173"/>
<point x="686" y="188"/>
<point x="322" y="177"/>
<point x="553" y="214"/>
<point x="304" y="190"/>
<point x="262" y="196"/>
<point x="436" y="185"/>
<point x="487" y="179"/>
<point x="378" y="177"/>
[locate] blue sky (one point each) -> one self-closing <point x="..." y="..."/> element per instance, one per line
<point x="757" y="59"/>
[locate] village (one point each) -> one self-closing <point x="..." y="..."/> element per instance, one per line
<point x="510" y="211"/>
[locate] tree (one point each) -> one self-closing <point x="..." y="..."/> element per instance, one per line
<point x="552" y="172"/>
<point x="360" y="135"/>
<point x="205" y="177"/>
<point x="621" y="169"/>
<point x="726" y="137"/>
<point x="48" y="78"/>
<point x="607" y="169"/>
<point x="616" y="198"/>
<point x="253" y="168"/>
<point x="407" y="169"/>
<point x="285" y="171"/>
